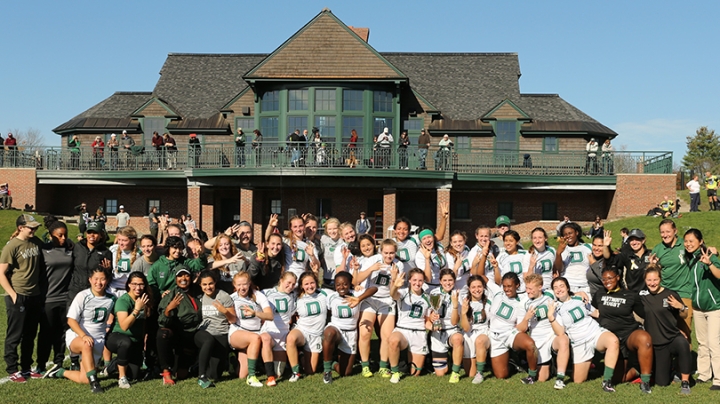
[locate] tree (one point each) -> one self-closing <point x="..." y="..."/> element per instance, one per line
<point x="703" y="151"/>
<point x="28" y="140"/>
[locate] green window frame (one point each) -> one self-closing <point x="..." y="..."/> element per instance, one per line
<point x="352" y="122"/>
<point x="506" y="135"/>
<point x="269" y="128"/>
<point x="352" y="100"/>
<point x="550" y="144"/>
<point x="326" y="125"/>
<point x="382" y="101"/>
<point x="325" y="99"/>
<point x="270" y="101"/>
<point x="298" y="100"/>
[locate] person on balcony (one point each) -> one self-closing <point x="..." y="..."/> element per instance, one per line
<point x="257" y="146"/>
<point x="113" y="145"/>
<point x="11" y="147"/>
<point x="423" y="146"/>
<point x="443" y="158"/>
<point x="170" y="150"/>
<point x="240" y="148"/>
<point x="74" y="147"/>
<point x="591" y="163"/>
<point x="157" y="143"/>
<point x="293" y="141"/>
<point x="127" y="143"/>
<point x="607" y="158"/>
<point x="403" y="144"/>
<point x="98" y="148"/>
<point x="194" y="150"/>
<point x="384" y="143"/>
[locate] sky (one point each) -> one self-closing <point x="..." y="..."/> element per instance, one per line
<point x="646" y="69"/>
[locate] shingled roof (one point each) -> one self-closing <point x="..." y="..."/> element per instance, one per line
<point x="549" y="112"/>
<point x="110" y="113"/>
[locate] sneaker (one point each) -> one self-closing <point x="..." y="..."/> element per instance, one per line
<point x="95" y="386"/>
<point x="253" y="381"/>
<point x="395" y="378"/>
<point x="454" y="377"/>
<point x="608" y="387"/>
<point x="528" y="380"/>
<point x="559" y="384"/>
<point x="17" y="377"/>
<point x="204" y="382"/>
<point x="327" y="377"/>
<point x="295" y="377"/>
<point x="271" y="382"/>
<point x="384" y="372"/>
<point x="123" y="383"/>
<point x="103" y="373"/>
<point x="478" y="378"/>
<point x="31" y="374"/>
<point x="167" y="379"/>
<point x="684" y="387"/>
<point x="52" y="372"/>
<point x="645" y="388"/>
<point x="366" y="372"/>
<point x="74" y="365"/>
<point x="714" y="387"/>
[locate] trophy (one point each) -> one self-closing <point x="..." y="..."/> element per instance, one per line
<point x="436" y="302"/>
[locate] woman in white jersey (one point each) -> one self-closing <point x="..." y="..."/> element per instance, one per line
<point x="299" y="255"/>
<point x="572" y="316"/>
<point x="251" y="308"/>
<point x="482" y="255"/>
<point x="540" y="258"/>
<point x="447" y="333"/>
<point x="430" y="258"/>
<point x="456" y="255"/>
<point x="414" y="318"/>
<point x="541" y="331"/>
<point x="408" y="245"/>
<point x="330" y="241"/>
<point x="226" y="261"/>
<point x="508" y="322"/>
<point x="511" y="259"/>
<point x="380" y="308"/>
<point x="124" y="255"/>
<point x="274" y="332"/>
<point x="88" y="318"/>
<point x="341" y="332"/>
<point x="475" y="325"/>
<point x="342" y="255"/>
<point x="572" y="260"/>
<point x="308" y="331"/>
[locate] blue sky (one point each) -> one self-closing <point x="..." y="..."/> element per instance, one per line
<point x="646" y="69"/>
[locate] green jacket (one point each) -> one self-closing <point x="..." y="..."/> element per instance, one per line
<point x="676" y="275"/>
<point x="706" y="287"/>
<point x="186" y="316"/>
<point x="161" y="276"/>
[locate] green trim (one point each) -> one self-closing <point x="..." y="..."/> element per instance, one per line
<point x="167" y="108"/>
<point x="557" y="144"/>
<point x="517" y="135"/>
<point x="540" y="179"/>
<point x="505" y="101"/>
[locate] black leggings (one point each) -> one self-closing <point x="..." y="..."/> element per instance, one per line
<point x="213" y="353"/>
<point x="664" y="354"/>
<point x="129" y="352"/>
<point x="172" y="343"/>
<point x="53" y="324"/>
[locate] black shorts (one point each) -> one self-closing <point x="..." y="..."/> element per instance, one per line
<point x="712" y="192"/>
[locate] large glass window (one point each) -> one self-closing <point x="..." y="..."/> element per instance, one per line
<point x="276" y="206"/>
<point x="270" y="101"/>
<point x="154" y="203"/>
<point x="297" y="122"/>
<point x="326" y="124"/>
<point x="551" y="144"/>
<point x="506" y="136"/>
<point x="413" y="124"/>
<point x="246" y="124"/>
<point x="269" y="128"/>
<point x="111" y="206"/>
<point x="352" y="100"/>
<point x="350" y="123"/>
<point x="151" y="125"/>
<point x="462" y="142"/>
<point x="298" y="100"/>
<point x="382" y="101"/>
<point x="325" y="100"/>
<point x="380" y="124"/>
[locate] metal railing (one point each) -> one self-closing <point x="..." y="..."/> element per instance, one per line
<point x="335" y="155"/>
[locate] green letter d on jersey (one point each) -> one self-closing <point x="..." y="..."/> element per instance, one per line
<point x="416" y="311"/>
<point x="505" y="311"/>
<point x="344" y="312"/>
<point x="577" y="314"/>
<point x="576" y="256"/>
<point x="299" y="255"/>
<point x="100" y="314"/>
<point x="281" y="306"/>
<point x="403" y="255"/>
<point x="313" y="308"/>
<point x="546" y="266"/>
<point x="516" y="267"/>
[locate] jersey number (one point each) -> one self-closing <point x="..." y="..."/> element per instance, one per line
<point x="416" y="311"/>
<point x="100" y="315"/>
<point x="577" y="314"/>
<point x="344" y="312"/>
<point x="505" y="311"/>
<point x="281" y="306"/>
<point x="313" y="308"/>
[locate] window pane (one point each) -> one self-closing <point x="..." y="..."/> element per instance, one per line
<point x="269" y="129"/>
<point x="462" y="210"/>
<point x="151" y="125"/>
<point x="506" y="137"/>
<point x="325" y="100"/>
<point x="297" y="122"/>
<point x="270" y="101"/>
<point x="506" y="209"/>
<point x="326" y="124"/>
<point x="298" y="100"/>
<point x="111" y="206"/>
<point x="246" y="124"/>
<point x="382" y="101"/>
<point x="413" y="124"/>
<point x="462" y="143"/>
<point x="276" y="206"/>
<point x="380" y="124"/>
<point x="551" y="144"/>
<point x="352" y="100"/>
<point x="549" y="211"/>
<point x="153" y="203"/>
<point x="350" y="123"/>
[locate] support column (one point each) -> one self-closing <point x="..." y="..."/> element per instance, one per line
<point x="443" y="196"/>
<point x="193" y="204"/>
<point x="247" y="213"/>
<point x="389" y="209"/>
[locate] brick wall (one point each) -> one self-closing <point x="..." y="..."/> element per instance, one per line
<point x="389" y="207"/>
<point x="193" y="201"/>
<point x="635" y="194"/>
<point x="22" y="185"/>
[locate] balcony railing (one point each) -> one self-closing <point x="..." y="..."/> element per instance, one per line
<point x="361" y="157"/>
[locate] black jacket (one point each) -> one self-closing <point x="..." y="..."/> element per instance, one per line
<point x="84" y="262"/>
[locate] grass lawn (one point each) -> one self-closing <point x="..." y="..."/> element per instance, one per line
<point x="356" y="389"/>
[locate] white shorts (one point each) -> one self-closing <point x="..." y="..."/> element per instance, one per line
<point x="544" y="348"/>
<point x="469" y="348"/>
<point x="576" y="289"/>
<point x="98" y="345"/>
<point x="378" y="305"/>
<point x="439" y="340"/>
<point x="313" y="342"/>
<point x="278" y="336"/>
<point x="501" y="343"/>
<point x="417" y="340"/>
<point x="348" y="340"/>
<point x="585" y="351"/>
<point x="234" y="328"/>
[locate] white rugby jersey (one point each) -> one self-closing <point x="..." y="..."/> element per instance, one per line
<point x="297" y="261"/>
<point x="539" y="327"/>
<point x="412" y="309"/>
<point x="505" y="313"/>
<point x="283" y="306"/>
<point x="576" y="264"/>
<point x="437" y="262"/>
<point x="342" y="315"/>
<point x="251" y="323"/>
<point x="513" y="263"/>
<point x="574" y="315"/>
<point x="92" y="312"/>
<point x="489" y="271"/>
<point x="463" y="272"/>
<point x="121" y="268"/>
<point x="382" y="277"/>
<point x="543" y="264"/>
<point x="406" y="251"/>
<point x="338" y="257"/>
<point x="329" y="247"/>
<point x="312" y="312"/>
<point x="445" y="311"/>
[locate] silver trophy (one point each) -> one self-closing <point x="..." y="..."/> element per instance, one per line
<point x="436" y="302"/>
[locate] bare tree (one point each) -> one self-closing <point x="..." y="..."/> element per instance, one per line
<point x="29" y="140"/>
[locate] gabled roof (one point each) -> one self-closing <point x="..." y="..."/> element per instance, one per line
<point x="167" y="107"/>
<point x="112" y="113"/>
<point x="325" y="48"/>
<point x="550" y="112"/>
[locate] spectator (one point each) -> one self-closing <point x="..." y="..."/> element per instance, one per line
<point x="384" y="142"/>
<point x="403" y="144"/>
<point x="5" y="197"/>
<point x="591" y="163"/>
<point x="293" y="141"/>
<point x="123" y="219"/>
<point x="240" y="148"/>
<point x="257" y="146"/>
<point x="100" y="216"/>
<point x="607" y="158"/>
<point x="158" y="143"/>
<point x="566" y="219"/>
<point x="194" y="150"/>
<point x="170" y="150"/>
<point x="189" y="222"/>
<point x="113" y="145"/>
<point x="74" y="147"/>
<point x="127" y="144"/>
<point x="597" y="228"/>
<point x="711" y="184"/>
<point x="423" y="146"/>
<point x="20" y="277"/>
<point x="668" y="207"/>
<point x="502" y="225"/>
<point x="694" y="187"/>
<point x="98" y="150"/>
<point x="443" y="158"/>
<point x="153" y="222"/>
<point x="362" y="225"/>
<point x="84" y="217"/>
<point x="11" y="148"/>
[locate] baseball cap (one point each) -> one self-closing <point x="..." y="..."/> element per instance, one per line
<point x="502" y="220"/>
<point x="188" y="216"/>
<point x="193" y="135"/>
<point x="181" y="269"/>
<point x="96" y="227"/>
<point x="637" y="233"/>
<point x="121" y="207"/>
<point x="124" y="132"/>
<point x="28" y="221"/>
